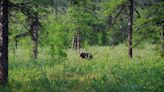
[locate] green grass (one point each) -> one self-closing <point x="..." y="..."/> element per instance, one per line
<point x="110" y="70"/>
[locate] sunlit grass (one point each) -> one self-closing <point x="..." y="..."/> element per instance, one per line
<point x="109" y="70"/>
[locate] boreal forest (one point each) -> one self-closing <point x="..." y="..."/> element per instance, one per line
<point x="81" y="46"/>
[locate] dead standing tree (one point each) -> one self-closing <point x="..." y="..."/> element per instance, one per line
<point x="34" y="28"/>
<point x="33" y="22"/>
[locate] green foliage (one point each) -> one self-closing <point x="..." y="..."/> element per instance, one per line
<point x="86" y="18"/>
<point x="149" y="26"/>
<point x="55" y="35"/>
<point x="112" y="5"/>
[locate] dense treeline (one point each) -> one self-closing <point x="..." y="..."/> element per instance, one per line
<point x="58" y="25"/>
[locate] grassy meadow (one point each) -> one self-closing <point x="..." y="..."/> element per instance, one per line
<point x="110" y="70"/>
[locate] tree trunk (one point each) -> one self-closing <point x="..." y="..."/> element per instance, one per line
<point x="104" y="37"/>
<point x="34" y="28"/>
<point x="78" y="41"/>
<point x="130" y="28"/>
<point x="162" y="42"/>
<point x="35" y="44"/>
<point x="4" y="42"/>
<point x="74" y="42"/>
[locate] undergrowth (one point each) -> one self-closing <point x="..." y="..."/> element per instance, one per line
<point x="110" y="70"/>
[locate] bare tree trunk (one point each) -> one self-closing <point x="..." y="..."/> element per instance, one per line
<point x="4" y="42"/>
<point x="35" y="44"/>
<point x="78" y="41"/>
<point x="34" y="28"/>
<point x="130" y="28"/>
<point x="162" y="42"/>
<point x="74" y="42"/>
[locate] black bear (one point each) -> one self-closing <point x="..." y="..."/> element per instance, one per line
<point x="86" y="55"/>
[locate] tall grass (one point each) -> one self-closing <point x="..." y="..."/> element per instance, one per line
<point x="110" y="70"/>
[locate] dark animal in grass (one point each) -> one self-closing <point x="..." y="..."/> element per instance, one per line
<point x="86" y="55"/>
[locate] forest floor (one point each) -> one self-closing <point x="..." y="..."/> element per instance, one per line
<point x="110" y="70"/>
